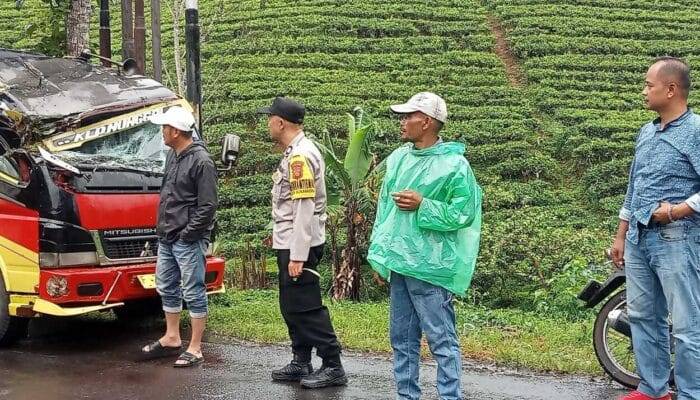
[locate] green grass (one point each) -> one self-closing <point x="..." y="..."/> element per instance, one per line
<point x="506" y="337"/>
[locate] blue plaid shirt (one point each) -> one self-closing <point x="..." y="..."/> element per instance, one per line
<point x="666" y="167"/>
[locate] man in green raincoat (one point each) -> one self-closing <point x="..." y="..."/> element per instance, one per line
<point x="425" y="242"/>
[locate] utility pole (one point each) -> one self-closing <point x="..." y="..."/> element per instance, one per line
<point x="127" y="30"/>
<point x="105" y="32"/>
<point x="155" y="41"/>
<point x="139" y="36"/>
<point x="194" y="78"/>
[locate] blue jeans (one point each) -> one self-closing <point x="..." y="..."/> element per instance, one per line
<point x="180" y="275"/>
<point x="418" y="306"/>
<point x="663" y="276"/>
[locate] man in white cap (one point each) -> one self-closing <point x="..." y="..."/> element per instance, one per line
<point x="425" y="240"/>
<point x="188" y="201"/>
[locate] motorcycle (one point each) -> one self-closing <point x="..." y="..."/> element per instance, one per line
<point x="612" y="335"/>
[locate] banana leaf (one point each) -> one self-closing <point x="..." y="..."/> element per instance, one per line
<point x="358" y="157"/>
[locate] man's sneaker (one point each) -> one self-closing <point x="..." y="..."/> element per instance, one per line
<point x="324" y="377"/>
<point x="637" y="395"/>
<point x="293" y="372"/>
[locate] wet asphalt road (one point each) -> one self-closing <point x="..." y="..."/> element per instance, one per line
<point x="96" y="359"/>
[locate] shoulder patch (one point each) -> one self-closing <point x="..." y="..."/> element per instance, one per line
<point x="301" y="178"/>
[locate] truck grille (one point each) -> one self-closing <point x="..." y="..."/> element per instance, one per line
<point x="129" y="243"/>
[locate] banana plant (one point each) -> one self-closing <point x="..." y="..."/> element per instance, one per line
<point x="351" y="186"/>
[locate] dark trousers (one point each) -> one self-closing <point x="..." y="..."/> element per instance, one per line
<point x="307" y="319"/>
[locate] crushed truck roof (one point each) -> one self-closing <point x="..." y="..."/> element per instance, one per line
<point x="46" y="92"/>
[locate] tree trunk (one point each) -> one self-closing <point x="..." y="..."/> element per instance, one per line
<point x="335" y="263"/>
<point x="177" y="50"/>
<point x="346" y="282"/>
<point x="78" y="27"/>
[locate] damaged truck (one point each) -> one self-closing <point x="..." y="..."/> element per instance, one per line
<point x="80" y="173"/>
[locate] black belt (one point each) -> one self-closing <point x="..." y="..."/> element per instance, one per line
<point x="653" y="225"/>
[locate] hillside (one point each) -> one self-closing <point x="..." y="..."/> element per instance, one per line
<point x="585" y="65"/>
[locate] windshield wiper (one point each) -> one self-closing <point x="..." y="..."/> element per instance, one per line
<point x="50" y="158"/>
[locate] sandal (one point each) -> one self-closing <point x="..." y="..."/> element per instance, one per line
<point x="157" y="350"/>
<point x="189" y="359"/>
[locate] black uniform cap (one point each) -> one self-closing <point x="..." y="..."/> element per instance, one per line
<point x="285" y="108"/>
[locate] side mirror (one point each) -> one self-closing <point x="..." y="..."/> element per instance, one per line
<point x="230" y="146"/>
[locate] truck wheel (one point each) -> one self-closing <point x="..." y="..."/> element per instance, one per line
<point x="139" y="310"/>
<point x="11" y="328"/>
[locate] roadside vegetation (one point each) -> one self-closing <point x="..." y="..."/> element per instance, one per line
<point x="551" y="147"/>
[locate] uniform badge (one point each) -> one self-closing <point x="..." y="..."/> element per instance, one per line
<point x="301" y="178"/>
<point x="297" y="169"/>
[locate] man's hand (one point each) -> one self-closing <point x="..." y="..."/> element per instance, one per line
<point x="681" y="211"/>
<point x="661" y="214"/>
<point x="617" y="252"/>
<point x="677" y="211"/>
<point x="407" y="200"/>
<point x="295" y="268"/>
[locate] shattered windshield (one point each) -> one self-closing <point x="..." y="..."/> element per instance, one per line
<point x="139" y="148"/>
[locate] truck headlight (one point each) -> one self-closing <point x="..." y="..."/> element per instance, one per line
<point x="57" y="286"/>
<point x="59" y="260"/>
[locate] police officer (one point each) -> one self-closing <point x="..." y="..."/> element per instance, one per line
<point x="299" y="215"/>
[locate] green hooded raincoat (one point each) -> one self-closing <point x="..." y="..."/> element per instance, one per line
<point x="439" y="242"/>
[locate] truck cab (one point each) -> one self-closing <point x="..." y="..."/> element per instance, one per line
<point x="80" y="173"/>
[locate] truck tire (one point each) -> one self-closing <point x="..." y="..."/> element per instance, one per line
<point x="11" y="328"/>
<point x="137" y="310"/>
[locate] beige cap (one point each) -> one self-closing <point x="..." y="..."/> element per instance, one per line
<point x="428" y="103"/>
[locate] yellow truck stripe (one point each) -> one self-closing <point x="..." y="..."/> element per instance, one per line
<point x="19" y="267"/>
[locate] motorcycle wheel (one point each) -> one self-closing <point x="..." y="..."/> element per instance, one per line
<point x="613" y="349"/>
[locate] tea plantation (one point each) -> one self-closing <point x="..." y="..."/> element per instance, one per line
<point x="549" y="131"/>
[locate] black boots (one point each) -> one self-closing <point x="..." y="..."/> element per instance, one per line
<point x="331" y="373"/>
<point x="294" y="371"/>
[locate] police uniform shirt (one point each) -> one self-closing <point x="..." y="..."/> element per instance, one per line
<point x="299" y="199"/>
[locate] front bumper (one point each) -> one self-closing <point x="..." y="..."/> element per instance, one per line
<point x="106" y="286"/>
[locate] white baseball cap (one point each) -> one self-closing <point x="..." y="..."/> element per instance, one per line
<point x="428" y="103"/>
<point x="177" y="117"/>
